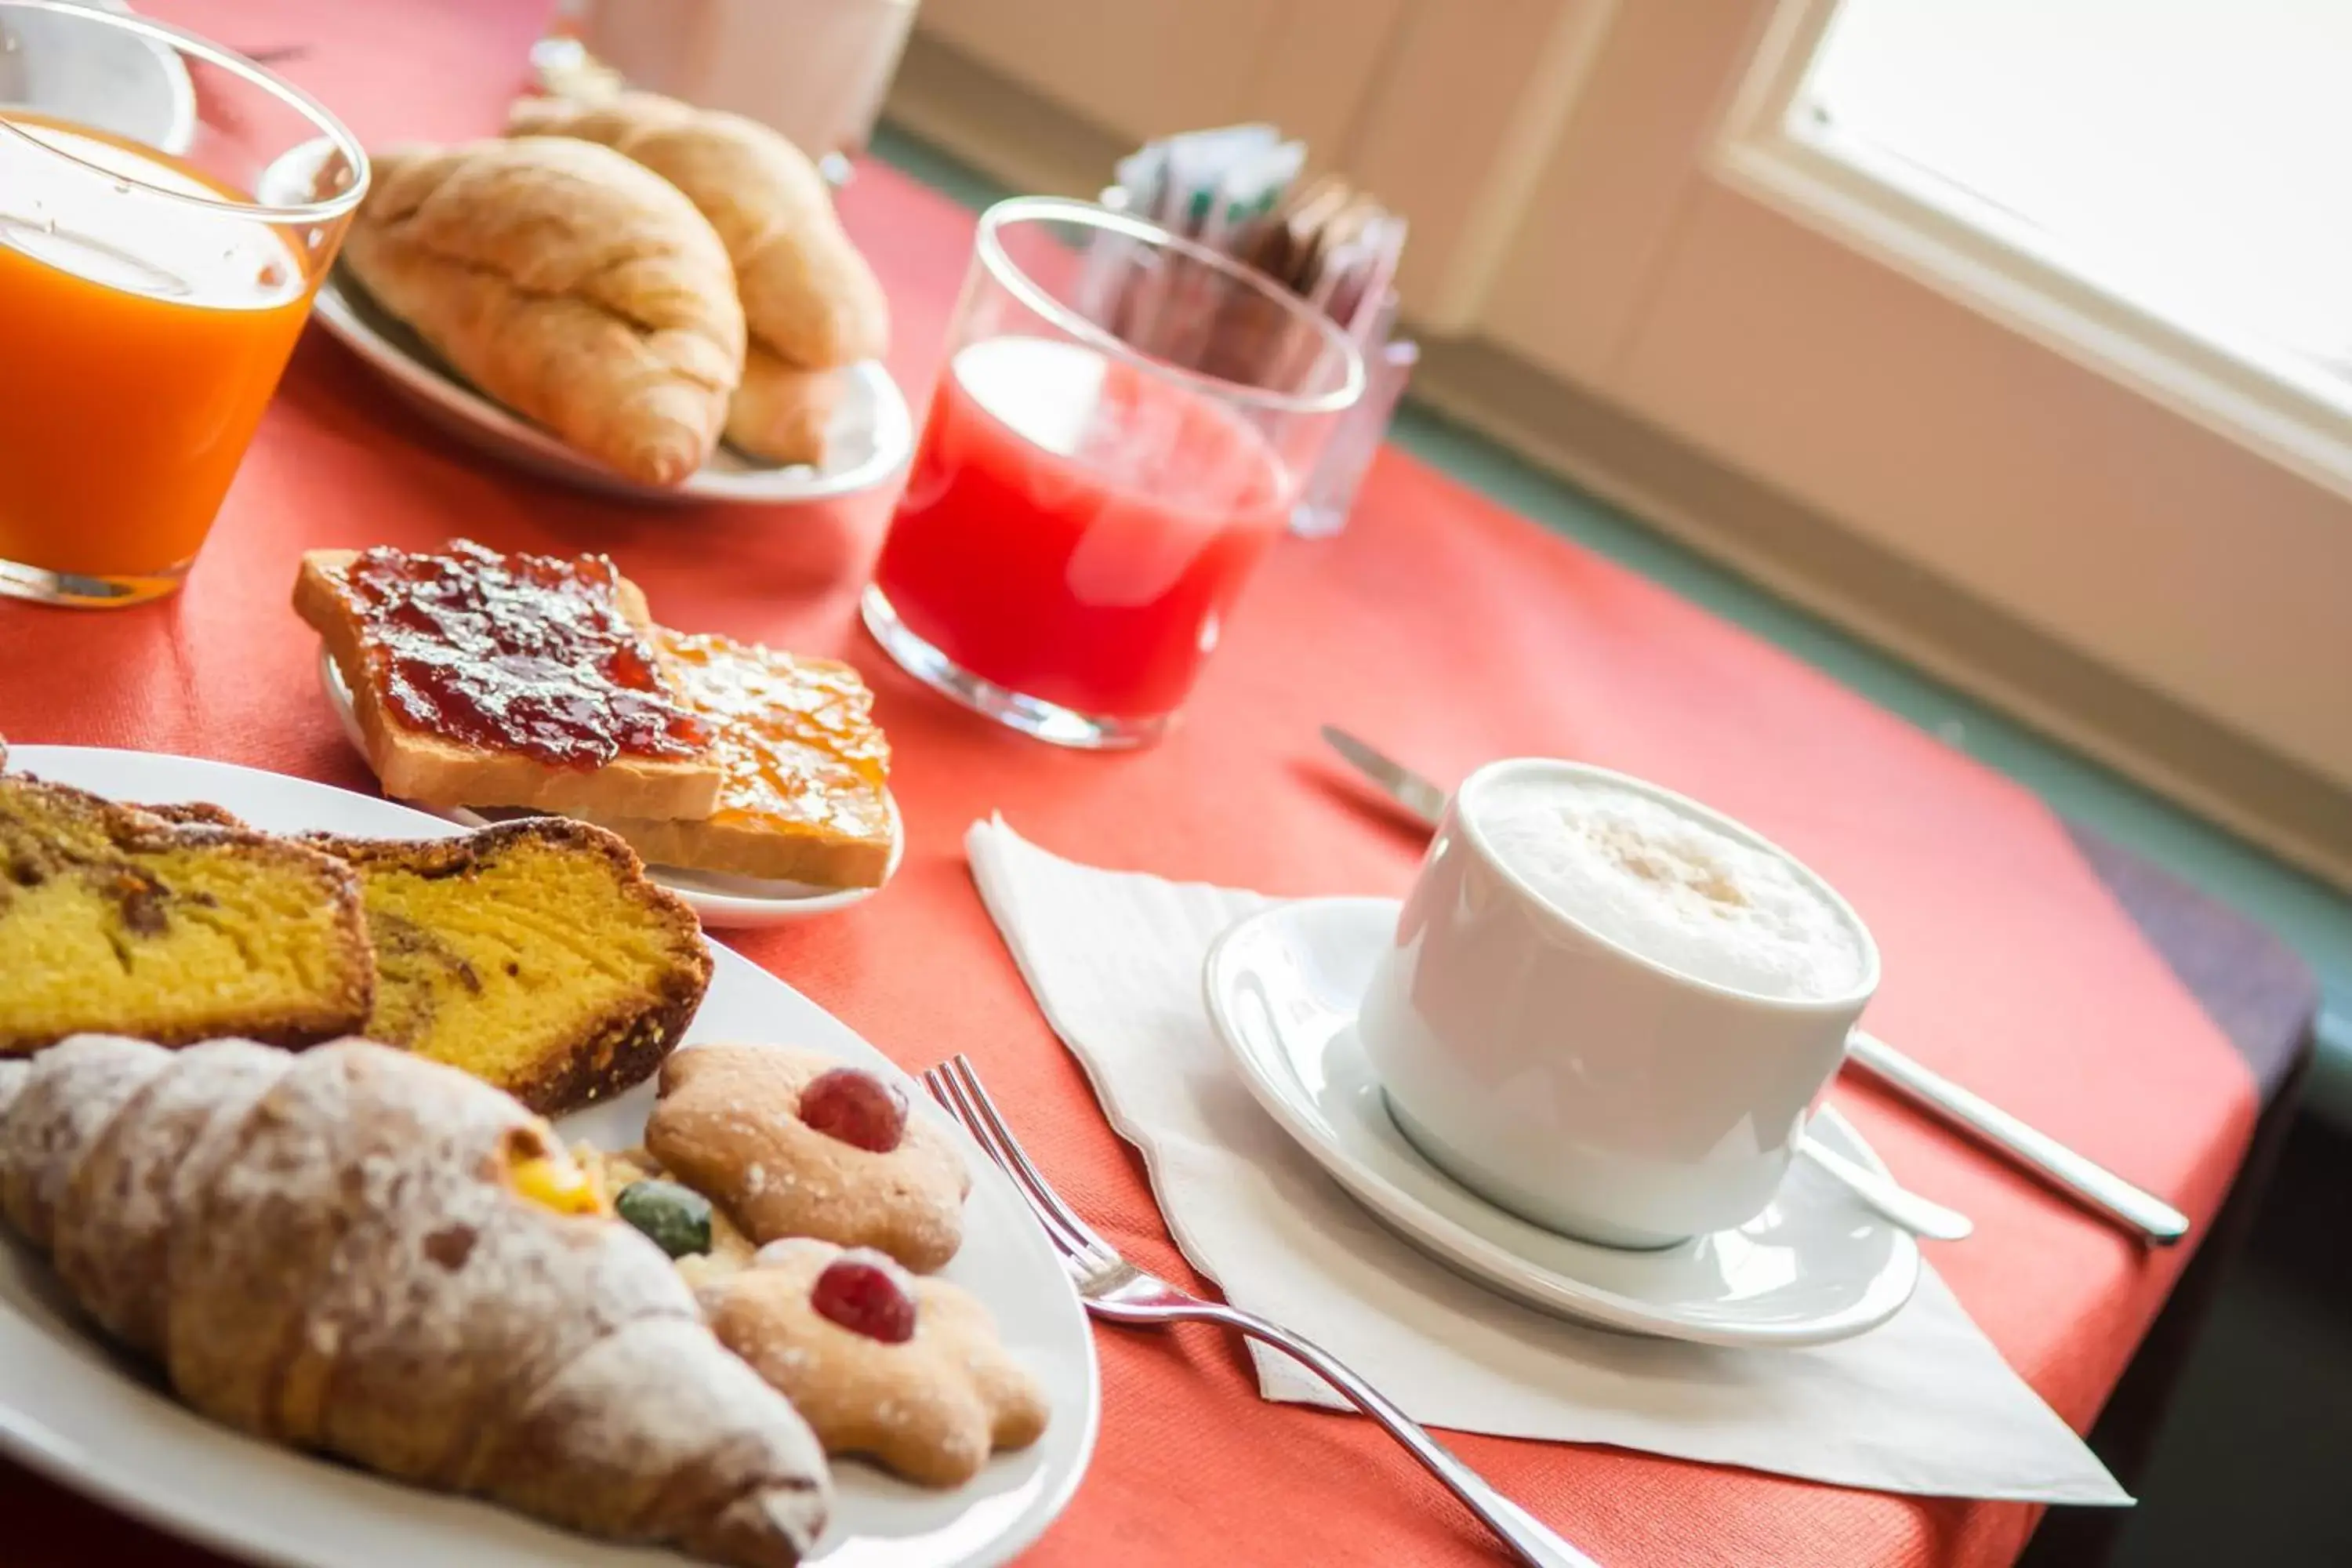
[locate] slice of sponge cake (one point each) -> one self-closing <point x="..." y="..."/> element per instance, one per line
<point x="535" y="955"/>
<point x="114" y="920"/>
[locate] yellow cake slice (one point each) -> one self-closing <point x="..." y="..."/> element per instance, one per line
<point x="535" y="955"/>
<point x="116" y="920"/>
<point x="803" y="796"/>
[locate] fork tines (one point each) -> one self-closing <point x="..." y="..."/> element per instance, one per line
<point x="955" y="1084"/>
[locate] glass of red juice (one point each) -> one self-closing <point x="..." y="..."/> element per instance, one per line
<point x="1118" y="436"/>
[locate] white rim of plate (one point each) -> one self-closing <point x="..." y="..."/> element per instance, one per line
<point x="894" y="435"/>
<point x="1274" y="1086"/>
<point x="715" y="896"/>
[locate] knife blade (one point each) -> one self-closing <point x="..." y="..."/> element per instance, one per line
<point x="1399" y="782"/>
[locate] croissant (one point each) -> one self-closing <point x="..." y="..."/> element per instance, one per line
<point x="360" y="1252"/>
<point x="807" y="294"/>
<point x="781" y="411"/>
<point x="568" y="283"/>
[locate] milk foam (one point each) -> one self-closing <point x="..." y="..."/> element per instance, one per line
<point x="1674" y="889"/>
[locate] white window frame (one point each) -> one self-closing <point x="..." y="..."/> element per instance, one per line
<point x="1974" y="251"/>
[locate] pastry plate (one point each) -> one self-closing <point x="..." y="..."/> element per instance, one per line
<point x="80" y="1414"/>
<point x="868" y="441"/>
<point x="1815" y="1267"/>
<point x="721" y="901"/>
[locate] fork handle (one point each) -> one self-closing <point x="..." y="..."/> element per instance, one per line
<point x="1533" y="1541"/>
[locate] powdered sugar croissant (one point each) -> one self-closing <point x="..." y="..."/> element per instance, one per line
<point x="364" y="1253"/>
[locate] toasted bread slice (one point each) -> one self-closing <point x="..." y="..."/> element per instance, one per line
<point x="535" y="955"/>
<point x="805" y="798"/>
<point x="115" y="921"/>
<point x="416" y="761"/>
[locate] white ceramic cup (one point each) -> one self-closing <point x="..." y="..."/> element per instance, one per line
<point x="1575" y="1082"/>
<point x="816" y="70"/>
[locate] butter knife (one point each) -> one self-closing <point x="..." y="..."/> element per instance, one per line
<point x="1399" y="782"/>
<point x="2083" y="1180"/>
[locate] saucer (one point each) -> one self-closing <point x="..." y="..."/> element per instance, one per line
<point x="1815" y="1266"/>
<point x="717" y="898"/>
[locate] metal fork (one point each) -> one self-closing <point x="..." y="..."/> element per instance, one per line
<point x="1117" y="1291"/>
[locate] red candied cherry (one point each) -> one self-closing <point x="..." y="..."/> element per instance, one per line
<point x="852" y="1105"/>
<point x="865" y="1292"/>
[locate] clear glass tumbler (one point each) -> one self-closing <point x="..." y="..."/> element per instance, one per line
<point x="1118" y="436"/>
<point x="167" y="209"/>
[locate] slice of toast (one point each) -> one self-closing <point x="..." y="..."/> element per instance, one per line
<point x="535" y="955"/>
<point x="117" y="922"/>
<point x="417" y="758"/>
<point x="806" y="769"/>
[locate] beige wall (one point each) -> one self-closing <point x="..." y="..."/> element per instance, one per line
<point x="1445" y="107"/>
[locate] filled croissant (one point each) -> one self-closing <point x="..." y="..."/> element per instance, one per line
<point x="567" y="282"/>
<point x="360" y="1252"/>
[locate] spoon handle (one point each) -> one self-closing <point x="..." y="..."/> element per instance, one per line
<point x="2089" y="1183"/>
<point x="1920" y="1217"/>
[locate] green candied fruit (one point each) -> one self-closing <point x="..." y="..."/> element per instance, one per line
<point x="676" y="1217"/>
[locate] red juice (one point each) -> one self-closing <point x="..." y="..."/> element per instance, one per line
<point x="1075" y="528"/>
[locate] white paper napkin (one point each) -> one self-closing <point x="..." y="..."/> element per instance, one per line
<point x="1924" y="1403"/>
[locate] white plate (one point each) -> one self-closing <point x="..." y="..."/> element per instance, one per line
<point x="869" y="440"/>
<point x="1282" y="988"/>
<point x="731" y="902"/>
<point x="72" y="1409"/>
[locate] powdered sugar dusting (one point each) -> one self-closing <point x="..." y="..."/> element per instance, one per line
<point x="114" y="1225"/>
<point x="646" y="1402"/>
<point x="71" y="1092"/>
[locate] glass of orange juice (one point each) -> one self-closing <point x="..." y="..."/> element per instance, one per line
<point x="167" y="209"/>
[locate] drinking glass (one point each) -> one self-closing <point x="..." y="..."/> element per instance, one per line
<point x="814" y="69"/>
<point x="1330" y="494"/>
<point x="1117" y="437"/>
<point x="166" y="211"/>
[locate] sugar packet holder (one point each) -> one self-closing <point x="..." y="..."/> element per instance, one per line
<point x="1329" y="493"/>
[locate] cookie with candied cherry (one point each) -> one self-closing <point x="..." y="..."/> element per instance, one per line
<point x="903" y="1370"/>
<point x="795" y="1143"/>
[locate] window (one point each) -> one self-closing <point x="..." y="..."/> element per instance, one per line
<point x="2190" y="158"/>
<point x="2008" y="292"/>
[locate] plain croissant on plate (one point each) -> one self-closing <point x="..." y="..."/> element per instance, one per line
<point x="567" y="282"/>
<point x="367" y="1254"/>
<point x="808" y="297"/>
<point x="781" y="412"/>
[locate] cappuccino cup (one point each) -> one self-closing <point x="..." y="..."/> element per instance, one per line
<point x="1608" y="1008"/>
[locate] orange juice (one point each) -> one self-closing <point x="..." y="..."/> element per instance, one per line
<point x="143" y="325"/>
